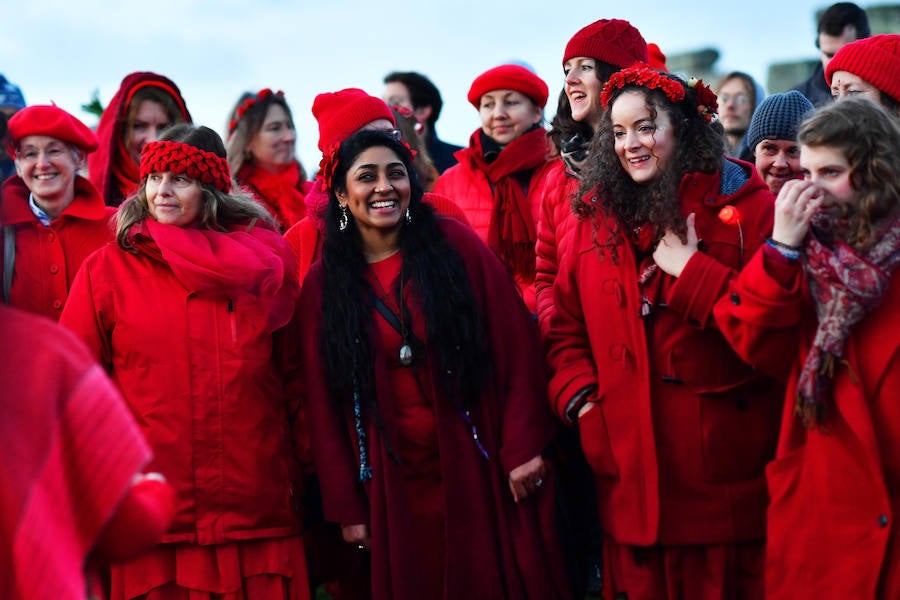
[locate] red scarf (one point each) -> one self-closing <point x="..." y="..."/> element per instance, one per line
<point x="845" y="286"/>
<point x="512" y="232"/>
<point x="125" y="172"/>
<point x="280" y="192"/>
<point x="247" y="261"/>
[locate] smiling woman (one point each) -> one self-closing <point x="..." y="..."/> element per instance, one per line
<point x="498" y="175"/>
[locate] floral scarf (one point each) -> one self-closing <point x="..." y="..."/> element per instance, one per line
<point x="845" y="286"/>
<point x="512" y="233"/>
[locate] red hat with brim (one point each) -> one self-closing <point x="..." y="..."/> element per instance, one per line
<point x="509" y="77"/>
<point x="51" y="121"/>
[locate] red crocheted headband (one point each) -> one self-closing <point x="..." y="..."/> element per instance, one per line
<point x="176" y="157"/>
<point x="642" y="75"/>
<point x="246" y="104"/>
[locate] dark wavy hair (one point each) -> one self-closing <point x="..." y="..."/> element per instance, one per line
<point x="435" y="272"/>
<point x="869" y="138"/>
<point x="699" y="147"/>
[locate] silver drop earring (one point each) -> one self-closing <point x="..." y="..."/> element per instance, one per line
<point x="408" y="216"/>
<point x="344" y="218"/>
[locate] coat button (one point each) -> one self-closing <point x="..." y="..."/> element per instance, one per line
<point x="735" y="299"/>
<point x="883" y="521"/>
<point x="54" y="269"/>
<point x="57" y="304"/>
<point x="51" y="236"/>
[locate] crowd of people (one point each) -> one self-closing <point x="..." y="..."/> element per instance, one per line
<point x="648" y="350"/>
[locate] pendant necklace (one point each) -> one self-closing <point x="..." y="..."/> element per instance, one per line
<point x="406" y="353"/>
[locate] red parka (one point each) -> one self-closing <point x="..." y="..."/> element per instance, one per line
<point x="556" y="220"/>
<point x="469" y="187"/>
<point x="47" y="258"/>
<point x="185" y="328"/>
<point x="682" y="428"/>
<point x="835" y="489"/>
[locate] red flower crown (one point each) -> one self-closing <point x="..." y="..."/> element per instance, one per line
<point x="642" y="75"/>
<point x="328" y="164"/>
<point x="176" y="157"/>
<point x="246" y="104"/>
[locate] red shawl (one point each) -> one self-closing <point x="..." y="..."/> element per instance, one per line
<point x="282" y="193"/>
<point x="512" y="233"/>
<point x="70" y="449"/>
<point x="110" y="168"/>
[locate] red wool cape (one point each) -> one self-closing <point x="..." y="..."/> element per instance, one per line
<point x="682" y="428"/>
<point x="47" y="258"/>
<point x="495" y="548"/>
<point x="70" y="450"/>
<point x="835" y="490"/>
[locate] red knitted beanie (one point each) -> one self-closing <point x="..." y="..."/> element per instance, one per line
<point x="612" y="41"/>
<point x="343" y="112"/>
<point x="51" y="121"/>
<point x="875" y="59"/>
<point x="509" y="77"/>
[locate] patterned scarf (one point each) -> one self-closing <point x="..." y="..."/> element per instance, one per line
<point x="845" y="286"/>
<point x="512" y="233"/>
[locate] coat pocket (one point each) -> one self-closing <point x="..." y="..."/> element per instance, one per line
<point x="595" y="443"/>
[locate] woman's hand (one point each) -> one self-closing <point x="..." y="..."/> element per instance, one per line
<point x="671" y="254"/>
<point x="357" y="535"/>
<point x="525" y="479"/>
<point x="796" y="204"/>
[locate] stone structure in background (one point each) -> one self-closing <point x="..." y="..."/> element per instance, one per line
<point x="781" y="76"/>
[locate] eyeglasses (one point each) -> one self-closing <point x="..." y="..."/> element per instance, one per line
<point x="177" y="180"/>
<point x="738" y="99"/>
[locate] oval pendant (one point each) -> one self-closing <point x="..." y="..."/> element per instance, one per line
<point x="406" y="355"/>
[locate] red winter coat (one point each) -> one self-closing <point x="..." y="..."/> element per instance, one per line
<point x="47" y="258"/>
<point x="555" y="222"/>
<point x="70" y="449"/>
<point x="495" y="548"/>
<point x="682" y="428"/>
<point x="185" y="328"/>
<point x="468" y="186"/>
<point x="835" y="490"/>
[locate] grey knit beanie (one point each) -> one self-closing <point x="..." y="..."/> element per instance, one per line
<point x="778" y="118"/>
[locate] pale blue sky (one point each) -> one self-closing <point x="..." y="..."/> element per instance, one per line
<point x="59" y="50"/>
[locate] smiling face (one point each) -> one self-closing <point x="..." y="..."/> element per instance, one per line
<point x="377" y="193"/>
<point x="174" y="199"/>
<point x="778" y="161"/>
<point x="507" y="114"/>
<point x="827" y="168"/>
<point x="48" y="167"/>
<point x="273" y="146"/>
<point x="150" y="119"/>
<point x="583" y="90"/>
<point x="644" y="144"/>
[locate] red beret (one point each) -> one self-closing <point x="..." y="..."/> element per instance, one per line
<point x="51" y="121"/>
<point x="876" y="60"/>
<point x="509" y="77"/>
<point x="342" y="113"/>
<point x="613" y="41"/>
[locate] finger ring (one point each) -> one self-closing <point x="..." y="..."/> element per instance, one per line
<point x="538" y="483"/>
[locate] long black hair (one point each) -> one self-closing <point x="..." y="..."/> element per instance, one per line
<point x="435" y="272"/>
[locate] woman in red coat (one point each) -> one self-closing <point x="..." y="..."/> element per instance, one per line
<point x="423" y="382"/>
<point x="593" y="54"/>
<point x="262" y="154"/>
<point x="188" y="313"/>
<point x="676" y="428"/>
<point x="498" y="176"/>
<point x="52" y="218"/>
<point x="144" y="105"/>
<point x="819" y="304"/>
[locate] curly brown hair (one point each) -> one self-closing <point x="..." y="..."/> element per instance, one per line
<point x="869" y="138"/>
<point x="699" y="147"/>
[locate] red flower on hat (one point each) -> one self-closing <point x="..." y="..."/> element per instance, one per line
<point x="641" y="75"/>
